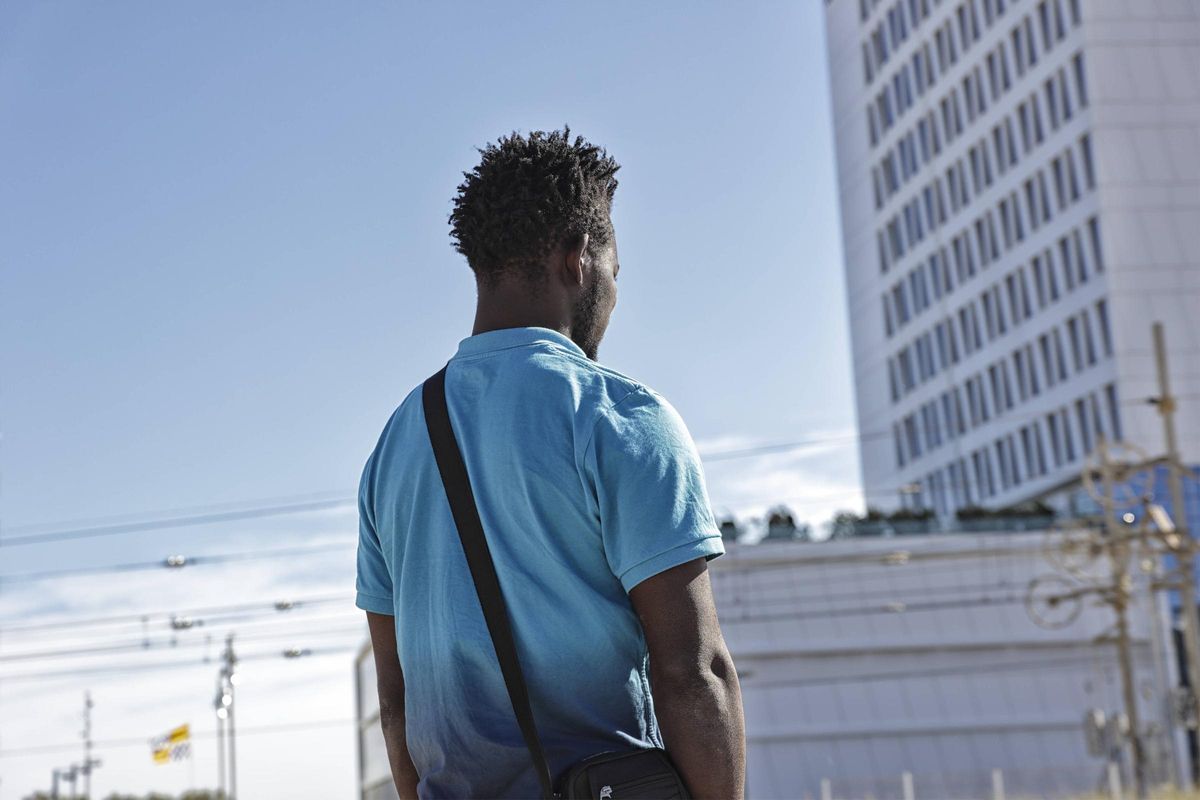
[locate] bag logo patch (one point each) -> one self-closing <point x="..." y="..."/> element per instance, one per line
<point x="605" y="793"/>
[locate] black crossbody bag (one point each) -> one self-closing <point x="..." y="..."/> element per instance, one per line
<point x="646" y="773"/>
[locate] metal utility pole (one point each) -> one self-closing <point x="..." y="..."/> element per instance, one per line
<point x="1187" y="555"/>
<point x="88" y="762"/>
<point x="226" y="733"/>
<point x="1122" y="586"/>
<point x="221" y="714"/>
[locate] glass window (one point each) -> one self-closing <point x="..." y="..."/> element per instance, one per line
<point x="1085" y="150"/>
<point x="1094" y="235"/>
<point x="1076" y="349"/>
<point x="1059" y="354"/>
<point x="1114" y="411"/>
<point x="1102" y="321"/>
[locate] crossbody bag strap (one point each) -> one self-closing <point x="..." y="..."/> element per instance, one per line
<point x="483" y="571"/>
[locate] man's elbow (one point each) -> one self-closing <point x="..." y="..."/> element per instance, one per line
<point x="694" y="674"/>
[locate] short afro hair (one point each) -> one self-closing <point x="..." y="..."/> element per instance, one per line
<point x="528" y="196"/>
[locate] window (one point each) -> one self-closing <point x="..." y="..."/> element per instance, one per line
<point x="1039" y="281"/>
<point x="1114" y="411"/>
<point x="1027" y="448"/>
<point x="1085" y="428"/>
<point x="1051" y="275"/>
<point x="1018" y="358"/>
<point x="1055" y="441"/>
<point x="1080" y="79"/>
<point x="1089" y="342"/>
<point x="1002" y="457"/>
<point x="1072" y="177"/>
<point x="1093" y="225"/>
<point x="1076" y="349"/>
<point x="1068" y="265"/>
<point x="1047" y="358"/>
<point x="1034" y="386"/>
<point x="1080" y="256"/>
<point x="1085" y="150"/>
<point x="1056" y="168"/>
<point x="1102" y="321"/>
<point x="1060" y="356"/>
<point x="1051" y="90"/>
<point x="1043" y="196"/>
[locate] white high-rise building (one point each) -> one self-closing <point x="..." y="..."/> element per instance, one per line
<point x="1020" y="200"/>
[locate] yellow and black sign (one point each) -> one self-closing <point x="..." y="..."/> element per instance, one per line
<point x="175" y="746"/>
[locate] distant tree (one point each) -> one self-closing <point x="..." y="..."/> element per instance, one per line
<point x="730" y="532"/>
<point x="782" y="525"/>
<point x="842" y="525"/>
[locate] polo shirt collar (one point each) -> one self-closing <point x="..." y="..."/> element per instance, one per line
<point x="505" y="338"/>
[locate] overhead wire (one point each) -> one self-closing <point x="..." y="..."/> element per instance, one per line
<point x="147" y="644"/>
<point x="176" y="562"/>
<point x="173" y="521"/>
<point x="243" y="730"/>
<point x="121" y="669"/>
<point x="291" y="603"/>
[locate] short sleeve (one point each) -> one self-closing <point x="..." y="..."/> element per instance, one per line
<point x="649" y="485"/>
<point x="373" y="584"/>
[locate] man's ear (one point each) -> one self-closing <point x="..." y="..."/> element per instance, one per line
<point x="574" y="265"/>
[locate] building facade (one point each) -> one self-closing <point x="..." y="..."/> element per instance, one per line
<point x="862" y="660"/>
<point x="1020" y="201"/>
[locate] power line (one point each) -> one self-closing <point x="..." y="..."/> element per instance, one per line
<point x="175" y="562"/>
<point x="278" y="605"/>
<point x="182" y="629"/>
<point x="144" y="741"/>
<point x="180" y="521"/>
<point x="121" y="669"/>
<point x="780" y="447"/>
<point x="145" y="644"/>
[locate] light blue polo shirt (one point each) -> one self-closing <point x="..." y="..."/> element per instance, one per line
<point x="587" y="483"/>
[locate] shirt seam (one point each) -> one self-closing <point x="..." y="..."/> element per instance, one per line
<point x="603" y="411"/>
<point x="494" y="350"/>
<point x="562" y="350"/>
<point x="689" y="543"/>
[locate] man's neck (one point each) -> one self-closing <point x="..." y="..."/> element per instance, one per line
<point x="498" y="309"/>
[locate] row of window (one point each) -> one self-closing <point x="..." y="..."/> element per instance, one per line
<point x="920" y="146"/>
<point x="934" y="58"/>
<point x="900" y="20"/>
<point x="990" y="392"/>
<point x="1061" y="94"/>
<point x="911" y="295"/>
<point x="1004" y="304"/>
<point x="1022" y="212"/>
<point x="1030" y="452"/>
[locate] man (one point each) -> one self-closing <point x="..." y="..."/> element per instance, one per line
<point x="592" y="501"/>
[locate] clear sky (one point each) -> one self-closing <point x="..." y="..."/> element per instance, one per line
<point x="224" y="260"/>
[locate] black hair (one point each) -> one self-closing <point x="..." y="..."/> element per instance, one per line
<point x="528" y="196"/>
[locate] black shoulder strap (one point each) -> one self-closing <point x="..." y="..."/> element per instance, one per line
<point x="479" y="559"/>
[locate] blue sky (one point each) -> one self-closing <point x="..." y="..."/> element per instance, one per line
<point x="224" y="258"/>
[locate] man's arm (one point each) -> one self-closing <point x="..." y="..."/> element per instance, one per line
<point x="697" y="698"/>
<point x="391" y="703"/>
